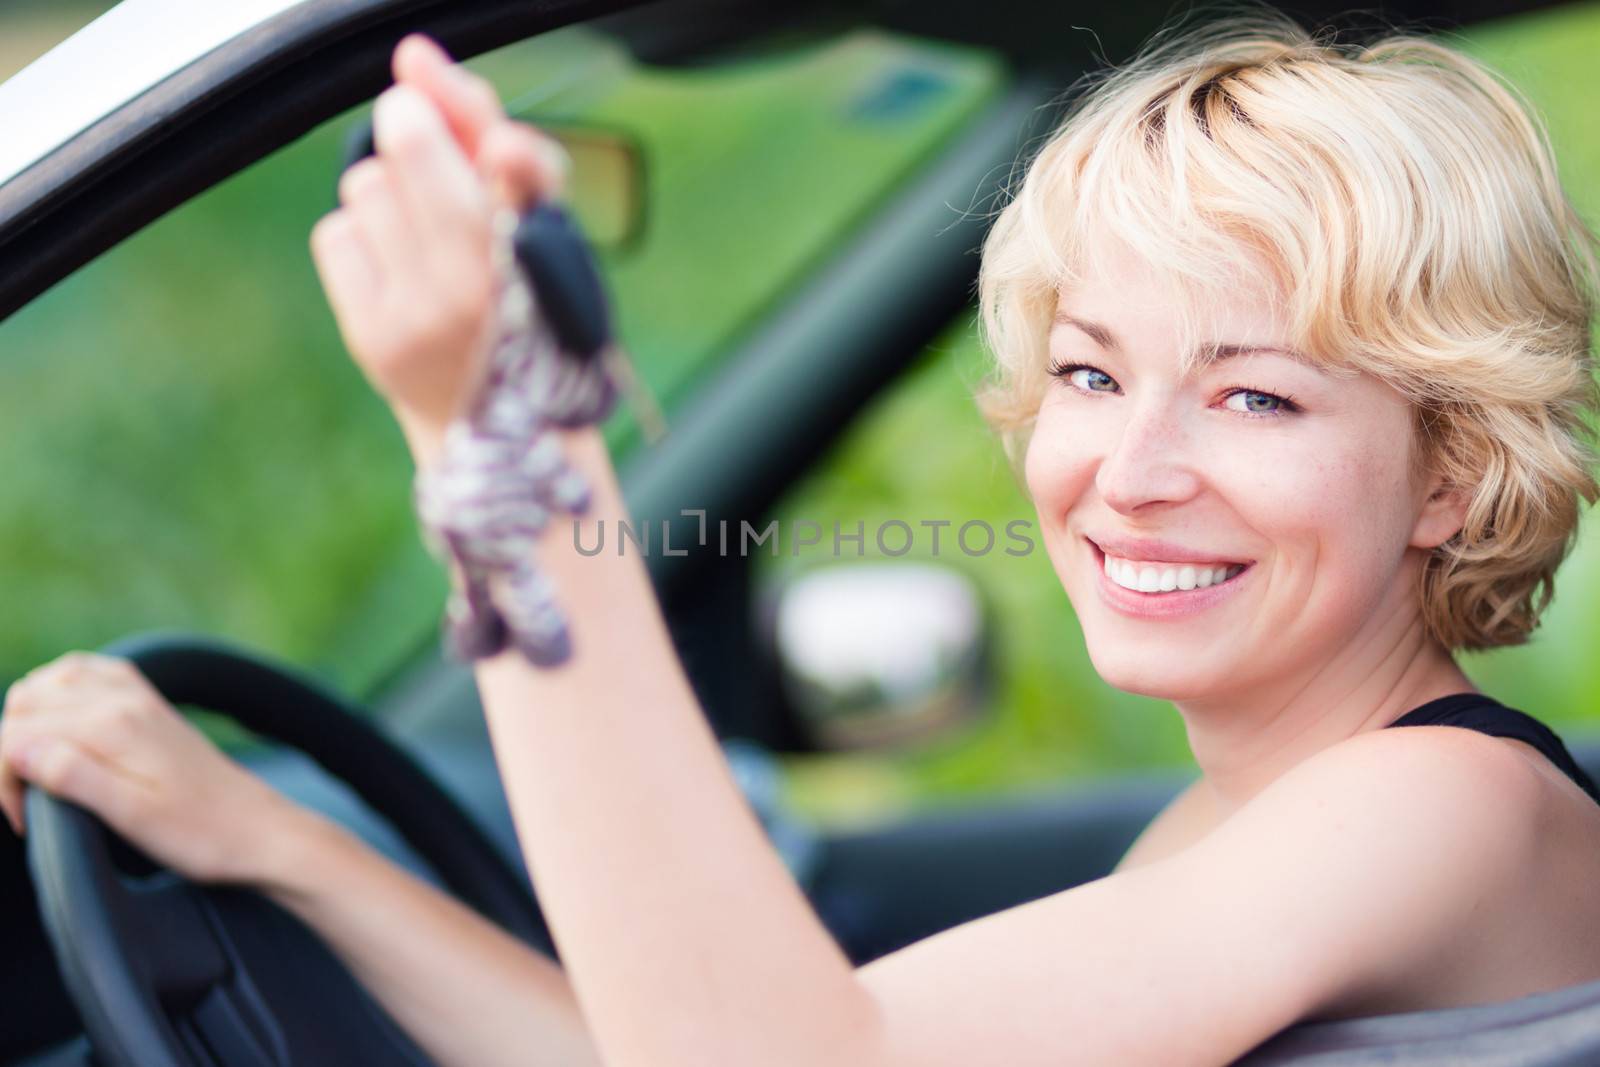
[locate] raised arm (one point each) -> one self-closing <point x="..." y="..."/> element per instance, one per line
<point x="683" y="934"/>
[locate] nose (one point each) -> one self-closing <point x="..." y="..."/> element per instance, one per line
<point x="1149" y="460"/>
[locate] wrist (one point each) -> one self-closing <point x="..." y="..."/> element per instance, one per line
<point x="296" y="853"/>
<point x="423" y="438"/>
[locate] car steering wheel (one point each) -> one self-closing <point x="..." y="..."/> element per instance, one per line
<point x="169" y="974"/>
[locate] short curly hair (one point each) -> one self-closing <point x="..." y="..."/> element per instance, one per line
<point x="1407" y="203"/>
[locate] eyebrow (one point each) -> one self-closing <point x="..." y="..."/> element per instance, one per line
<point x="1210" y="351"/>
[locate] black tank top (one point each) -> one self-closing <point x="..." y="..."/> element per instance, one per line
<point x="1475" y="711"/>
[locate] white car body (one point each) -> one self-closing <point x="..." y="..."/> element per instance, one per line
<point x="133" y="47"/>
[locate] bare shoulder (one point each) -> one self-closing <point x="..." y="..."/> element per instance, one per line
<point x="1398" y="842"/>
<point x="1433" y="786"/>
<point x="1450" y="760"/>
<point x="1381" y="767"/>
<point x="1345" y="884"/>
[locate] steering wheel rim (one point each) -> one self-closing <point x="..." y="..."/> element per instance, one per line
<point x="169" y="974"/>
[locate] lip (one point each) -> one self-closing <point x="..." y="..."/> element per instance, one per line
<point x="1147" y="549"/>
<point x="1179" y="603"/>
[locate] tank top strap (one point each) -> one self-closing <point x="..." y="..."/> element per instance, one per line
<point x="1475" y="711"/>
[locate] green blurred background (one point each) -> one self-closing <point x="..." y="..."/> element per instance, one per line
<point x="189" y="447"/>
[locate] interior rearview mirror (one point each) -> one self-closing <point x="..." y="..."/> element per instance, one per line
<point x="606" y="188"/>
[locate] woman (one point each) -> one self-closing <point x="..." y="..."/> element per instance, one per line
<point x="1292" y="342"/>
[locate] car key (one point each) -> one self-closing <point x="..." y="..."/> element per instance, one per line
<point x="501" y="475"/>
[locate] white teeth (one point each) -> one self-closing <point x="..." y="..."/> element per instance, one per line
<point x="1165" y="577"/>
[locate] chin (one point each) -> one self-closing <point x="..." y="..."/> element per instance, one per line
<point x="1161" y="676"/>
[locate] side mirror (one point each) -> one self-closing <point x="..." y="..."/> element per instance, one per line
<point x="879" y="654"/>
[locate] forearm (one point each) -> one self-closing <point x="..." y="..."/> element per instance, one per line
<point x="467" y="992"/>
<point x="684" y="935"/>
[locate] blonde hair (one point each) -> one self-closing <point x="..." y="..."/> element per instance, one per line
<point x="1407" y="204"/>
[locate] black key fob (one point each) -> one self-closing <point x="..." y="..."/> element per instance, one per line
<point x="556" y="258"/>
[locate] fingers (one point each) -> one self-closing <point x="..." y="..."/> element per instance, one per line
<point x="11" y="786"/>
<point x="26" y="746"/>
<point x="83" y="701"/>
<point x="439" y="191"/>
<point x="531" y="163"/>
<point x="348" y="272"/>
<point x="131" y="733"/>
<point x="421" y="214"/>
<point x="522" y="164"/>
<point x="70" y="667"/>
<point x="11" y="783"/>
<point x="468" y="103"/>
<point x="21" y="697"/>
<point x="435" y="180"/>
<point x="422" y="187"/>
<point x="367" y="191"/>
<point x="66" y="769"/>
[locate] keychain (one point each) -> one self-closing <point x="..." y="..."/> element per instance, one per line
<point x="501" y="475"/>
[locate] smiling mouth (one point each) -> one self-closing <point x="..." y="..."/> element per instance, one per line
<point x="1160" y="579"/>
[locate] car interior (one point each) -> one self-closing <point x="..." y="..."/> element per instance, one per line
<point x="902" y="125"/>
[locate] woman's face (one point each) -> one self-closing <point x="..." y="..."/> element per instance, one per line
<point x="1259" y="462"/>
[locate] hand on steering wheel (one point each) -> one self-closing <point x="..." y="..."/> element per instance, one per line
<point x="168" y="974"/>
<point x="91" y="729"/>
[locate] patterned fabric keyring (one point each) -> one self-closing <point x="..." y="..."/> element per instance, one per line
<point x="501" y="475"/>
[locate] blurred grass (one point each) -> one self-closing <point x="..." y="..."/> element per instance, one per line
<point x="189" y="446"/>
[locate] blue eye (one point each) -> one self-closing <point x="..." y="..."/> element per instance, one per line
<point x="1258" y="403"/>
<point x="1084" y="378"/>
<point x="1282" y="403"/>
<point x="1090" y="380"/>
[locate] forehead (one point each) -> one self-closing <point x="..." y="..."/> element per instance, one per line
<point x="1130" y="293"/>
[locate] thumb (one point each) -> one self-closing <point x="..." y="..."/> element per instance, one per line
<point x="522" y="166"/>
<point x="67" y="770"/>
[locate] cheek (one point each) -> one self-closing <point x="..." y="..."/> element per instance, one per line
<point x="1334" y="518"/>
<point x="1299" y="492"/>
<point x="1057" y="464"/>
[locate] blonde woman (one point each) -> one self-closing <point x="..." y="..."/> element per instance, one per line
<point x="1292" y="347"/>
